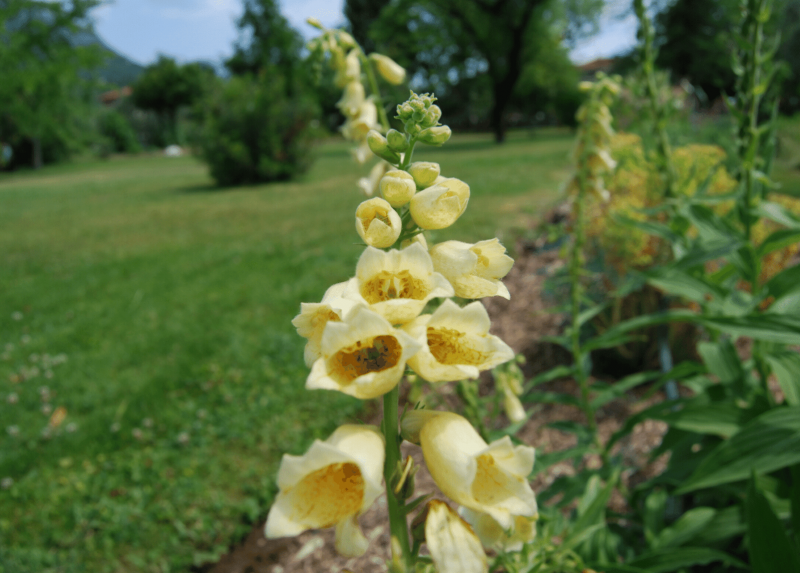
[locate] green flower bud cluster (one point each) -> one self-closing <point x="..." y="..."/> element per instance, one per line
<point x="420" y="117"/>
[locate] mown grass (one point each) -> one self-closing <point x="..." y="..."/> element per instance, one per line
<point x="157" y="311"/>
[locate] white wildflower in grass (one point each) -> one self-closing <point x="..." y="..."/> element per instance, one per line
<point x="33" y="358"/>
<point x="6" y="482"/>
<point x="46" y="433"/>
<point x="331" y="485"/>
<point x="490" y="478"/>
<point x="115" y="427"/>
<point x="440" y="206"/>
<point x="16" y="315"/>
<point x="12" y="398"/>
<point x="453" y="545"/>
<point x="25" y="339"/>
<point x="364" y="356"/>
<point x="474" y="270"/>
<point x="46" y="409"/>
<point x="377" y="223"/>
<point x="12" y="431"/>
<point x="313" y="317"/>
<point x="147" y="422"/>
<point x="397" y="284"/>
<point x="493" y="536"/>
<point x="456" y="343"/>
<point x="184" y="438"/>
<point x="137" y="434"/>
<point x="71" y="428"/>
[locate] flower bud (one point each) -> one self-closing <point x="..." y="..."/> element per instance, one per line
<point x="424" y="173"/>
<point x="412" y="128"/>
<point x="398" y="187"/>
<point x="377" y="223"/>
<point x="390" y="70"/>
<point x="435" y="135"/>
<point x="316" y="23"/>
<point x="440" y="206"/>
<point x="452" y="543"/>
<point x="397" y="141"/>
<point x="380" y="147"/>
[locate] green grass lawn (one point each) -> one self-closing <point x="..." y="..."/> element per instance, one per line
<point x="156" y="310"/>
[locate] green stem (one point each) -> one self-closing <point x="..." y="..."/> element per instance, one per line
<point x="397" y="516"/>
<point x="575" y="268"/>
<point x="373" y="86"/>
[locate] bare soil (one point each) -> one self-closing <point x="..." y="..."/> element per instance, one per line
<point x="522" y="322"/>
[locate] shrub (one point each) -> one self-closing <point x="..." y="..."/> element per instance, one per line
<point x="118" y="132"/>
<point x="253" y="132"/>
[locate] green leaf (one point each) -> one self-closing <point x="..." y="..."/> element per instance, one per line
<point x="727" y="523"/>
<point x="550" y="398"/>
<point x="650" y="228"/>
<point x="786" y="366"/>
<point x="779" y="214"/>
<point x="549" y="376"/>
<point x="686" y="527"/>
<point x="769" y="442"/>
<point x="619" y="388"/>
<point x="794" y="495"/>
<point x="710" y="226"/>
<point x="721" y="419"/>
<point x="680" y="283"/>
<point x="594" y="505"/>
<point x="544" y="461"/>
<point x="770" y="549"/>
<point x="721" y="360"/>
<point x="785" y="282"/>
<point x="778" y="240"/>
<point x="672" y="559"/>
<point x="590" y="313"/>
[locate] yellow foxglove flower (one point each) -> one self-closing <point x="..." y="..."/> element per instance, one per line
<point x="600" y="161"/>
<point x="313" y="317"/>
<point x="418" y="238"/>
<point x="331" y="485"/>
<point x="352" y="98"/>
<point x="456" y="343"/>
<point x="474" y="270"/>
<point x="488" y="478"/>
<point x="493" y="536"/>
<point x="440" y="206"/>
<point x="350" y="71"/>
<point x="398" y="284"/>
<point x="356" y="129"/>
<point x="424" y="173"/>
<point x="390" y="70"/>
<point x="453" y="545"/>
<point x="513" y="407"/>
<point x="377" y="223"/>
<point x="362" y="152"/>
<point x="369" y="185"/>
<point x="362" y="356"/>
<point x="398" y="187"/>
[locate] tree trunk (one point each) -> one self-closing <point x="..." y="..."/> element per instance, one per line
<point x="498" y="125"/>
<point x="37" y="153"/>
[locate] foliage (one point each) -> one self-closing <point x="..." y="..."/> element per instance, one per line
<point x="453" y="49"/>
<point x="118" y="133"/>
<point x="252" y="132"/>
<point x="43" y="95"/>
<point x="165" y="86"/>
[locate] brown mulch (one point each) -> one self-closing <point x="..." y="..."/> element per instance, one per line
<point x="521" y="322"/>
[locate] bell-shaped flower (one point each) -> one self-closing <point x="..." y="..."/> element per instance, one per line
<point x="440" y="206"/>
<point x="456" y="343"/>
<point x="352" y="98"/>
<point x="474" y="270"/>
<point x="390" y="70"/>
<point x="493" y="536"/>
<point x="362" y="356"/>
<point x="313" y="317"/>
<point x="361" y="153"/>
<point x="357" y="128"/>
<point x="424" y="173"/>
<point x="453" y="545"/>
<point x="369" y="185"/>
<point x="350" y="70"/>
<point x="377" y="223"/>
<point x="331" y="485"/>
<point x="488" y="478"/>
<point x="397" y="284"/>
<point x="398" y="187"/>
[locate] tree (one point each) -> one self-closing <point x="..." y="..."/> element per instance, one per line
<point x="165" y="87"/>
<point x="452" y="41"/>
<point x="361" y="14"/>
<point x="267" y="45"/>
<point x="44" y="75"/>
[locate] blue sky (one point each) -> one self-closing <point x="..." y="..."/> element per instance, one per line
<point x="205" y="29"/>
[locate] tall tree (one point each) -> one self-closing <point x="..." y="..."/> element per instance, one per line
<point x="43" y="73"/>
<point x="361" y="14"/>
<point x="166" y="86"/>
<point x="267" y="45"/>
<point x="452" y="41"/>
